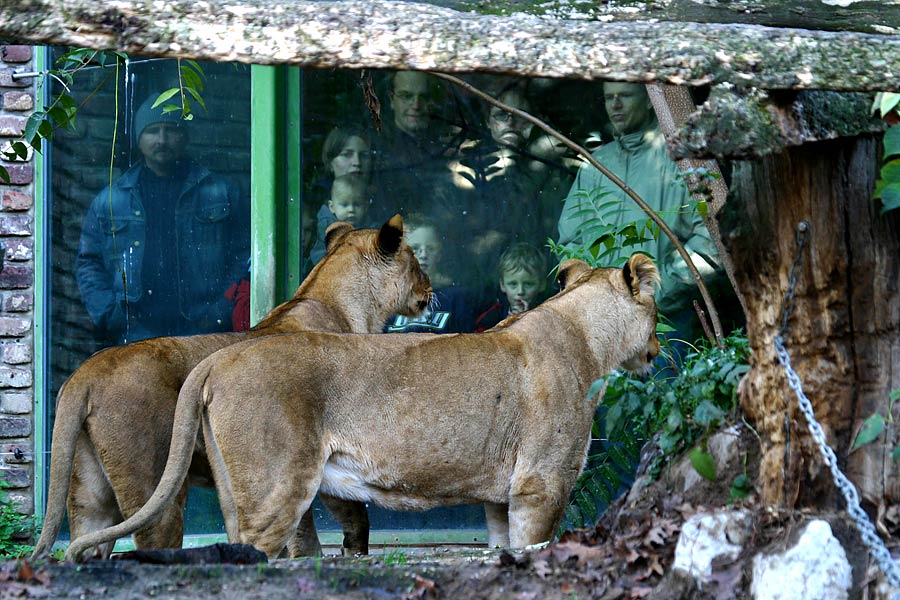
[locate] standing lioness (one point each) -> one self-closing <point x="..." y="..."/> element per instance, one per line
<point x="114" y="414"/>
<point x="411" y="421"/>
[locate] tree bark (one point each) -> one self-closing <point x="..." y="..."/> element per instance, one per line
<point x="403" y="35"/>
<point x="872" y="16"/>
<point x="844" y="337"/>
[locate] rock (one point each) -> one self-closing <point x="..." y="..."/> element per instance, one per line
<point x="707" y="536"/>
<point x="816" y="567"/>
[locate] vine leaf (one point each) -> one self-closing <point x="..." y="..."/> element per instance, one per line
<point x="703" y="463"/>
<point x="165" y="96"/>
<point x="870" y="430"/>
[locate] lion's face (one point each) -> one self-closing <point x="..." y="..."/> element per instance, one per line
<point x="642" y="361"/>
<point x="396" y="283"/>
<point x="630" y="289"/>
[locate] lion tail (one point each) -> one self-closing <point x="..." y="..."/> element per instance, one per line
<point x="72" y="408"/>
<point x="191" y="401"/>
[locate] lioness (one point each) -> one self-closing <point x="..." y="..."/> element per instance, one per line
<point x="412" y="421"/>
<point x="115" y="413"/>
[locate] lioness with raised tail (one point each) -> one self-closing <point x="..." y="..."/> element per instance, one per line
<point x="114" y="414"/>
<point x="412" y="421"/>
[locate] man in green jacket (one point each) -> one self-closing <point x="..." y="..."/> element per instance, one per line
<point x="638" y="156"/>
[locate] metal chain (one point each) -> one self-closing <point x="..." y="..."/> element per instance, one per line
<point x="866" y="530"/>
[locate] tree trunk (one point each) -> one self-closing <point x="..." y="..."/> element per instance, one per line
<point x="844" y="336"/>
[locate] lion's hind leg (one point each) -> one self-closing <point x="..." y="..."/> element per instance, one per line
<point x="536" y="507"/>
<point x="91" y="502"/>
<point x="268" y="518"/>
<point x="268" y="488"/>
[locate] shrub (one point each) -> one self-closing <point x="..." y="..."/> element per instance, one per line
<point x="675" y="413"/>
<point x="14" y="527"/>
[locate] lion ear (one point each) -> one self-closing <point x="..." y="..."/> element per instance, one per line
<point x="390" y="236"/>
<point x="336" y="231"/>
<point x="641" y="275"/>
<point x="570" y="271"/>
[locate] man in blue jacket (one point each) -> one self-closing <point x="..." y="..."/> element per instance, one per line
<point x="160" y="248"/>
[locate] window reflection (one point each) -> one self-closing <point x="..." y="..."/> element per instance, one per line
<point x="151" y="244"/>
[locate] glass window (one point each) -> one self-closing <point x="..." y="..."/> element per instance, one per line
<point x="490" y="203"/>
<point x="148" y="207"/>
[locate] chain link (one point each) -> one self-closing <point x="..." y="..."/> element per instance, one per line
<point x="866" y="530"/>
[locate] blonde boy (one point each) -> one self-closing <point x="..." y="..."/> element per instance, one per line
<point x="522" y="279"/>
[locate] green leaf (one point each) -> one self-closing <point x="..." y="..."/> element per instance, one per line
<point x="892" y="141"/>
<point x="31" y="126"/>
<point x="740" y="487"/>
<point x="197" y="67"/>
<point x="889" y="101"/>
<point x="890" y="197"/>
<point x="708" y="413"/>
<point x="4" y="174"/>
<point x="59" y="114"/>
<point x="702" y="208"/>
<point x="197" y="97"/>
<point x="894" y="395"/>
<point x="45" y="129"/>
<point x="703" y="463"/>
<point x="66" y="101"/>
<point x="595" y="389"/>
<point x="890" y="172"/>
<point x="587" y="506"/>
<point x="20" y="149"/>
<point x="166" y="95"/>
<point x="896" y="453"/>
<point x="870" y="430"/>
<point x="191" y="79"/>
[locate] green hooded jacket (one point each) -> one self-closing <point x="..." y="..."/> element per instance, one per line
<point x="641" y="161"/>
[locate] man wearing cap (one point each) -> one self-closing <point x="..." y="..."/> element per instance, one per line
<point x="158" y="250"/>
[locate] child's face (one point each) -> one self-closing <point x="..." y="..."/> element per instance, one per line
<point x="347" y="205"/>
<point x="425" y="245"/>
<point x="521" y="288"/>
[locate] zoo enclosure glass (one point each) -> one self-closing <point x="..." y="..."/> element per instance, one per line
<point x="470" y="181"/>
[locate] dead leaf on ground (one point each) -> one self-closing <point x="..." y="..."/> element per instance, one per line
<point x="542" y="568"/>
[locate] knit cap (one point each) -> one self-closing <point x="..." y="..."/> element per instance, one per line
<point x="146" y="115"/>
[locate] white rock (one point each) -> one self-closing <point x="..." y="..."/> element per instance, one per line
<point x="706" y="536"/>
<point x="816" y="567"/>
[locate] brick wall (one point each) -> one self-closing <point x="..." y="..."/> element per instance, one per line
<point x="17" y="101"/>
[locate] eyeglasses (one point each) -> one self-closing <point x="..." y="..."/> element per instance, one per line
<point x="410" y="97"/>
<point x="505" y="117"/>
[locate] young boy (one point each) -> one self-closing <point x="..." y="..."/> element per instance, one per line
<point x="348" y="202"/>
<point x="522" y="269"/>
<point x="452" y="308"/>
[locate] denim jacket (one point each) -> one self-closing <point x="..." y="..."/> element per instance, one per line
<point x="211" y="241"/>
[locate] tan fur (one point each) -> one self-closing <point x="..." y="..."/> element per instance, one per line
<point x="114" y="414"/>
<point x="412" y="421"/>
